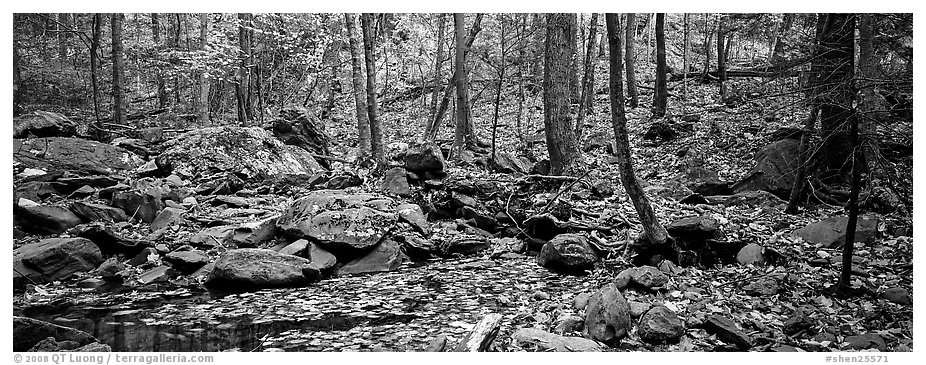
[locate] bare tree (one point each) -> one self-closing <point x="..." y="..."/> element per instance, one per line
<point x="565" y="155"/>
<point x="360" y="93"/>
<point x="118" y="70"/>
<point x="631" y="33"/>
<point x="376" y="127"/>
<point x="654" y="232"/>
<point x="660" y="97"/>
<point x="201" y="91"/>
<point x="463" y="136"/>
<point x="588" y="75"/>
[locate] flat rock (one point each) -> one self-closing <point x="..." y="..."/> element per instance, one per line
<point x="387" y="256"/>
<point x="46" y="219"/>
<point x="94" y="212"/>
<point x="187" y="261"/>
<point x="43" y="124"/>
<point x="244" y="235"/>
<point x="340" y="221"/>
<point x="57" y="258"/>
<point x="831" y="232"/>
<point x="156" y="275"/>
<point x="63" y="153"/>
<point x="552" y="342"/>
<point x="166" y="218"/>
<point x="463" y="245"/>
<point x="897" y="295"/>
<point x="27" y="332"/>
<point x="254" y="269"/>
<point x="762" y="287"/>
<point x="751" y="254"/>
<point x="866" y="341"/>
<point x="728" y="332"/>
<point x="296" y="248"/>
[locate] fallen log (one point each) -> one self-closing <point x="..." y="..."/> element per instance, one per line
<point x="481" y="337"/>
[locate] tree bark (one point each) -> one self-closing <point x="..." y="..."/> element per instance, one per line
<point x="778" y="50"/>
<point x="360" y="95"/>
<point x="660" y="98"/>
<point x="438" y="62"/>
<point x="654" y="232"/>
<point x="463" y="133"/>
<point x="431" y="132"/>
<point x="63" y="37"/>
<point x="243" y="82"/>
<point x="376" y="129"/>
<point x="201" y="97"/>
<point x="836" y="74"/>
<point x="332" y="60"/>
<point x="565" y="156"/>
<point x="588" y="77"/>
<point x="158" y="71"/>
<point x="630" y="55"/>
<point x="17" y="82"/>
<point x="95" y="64"/>
<point x="707" y="49"/>
<point x="721" y="57"/>
<point x="501" y="82"/>
<point x="118" y="70"/>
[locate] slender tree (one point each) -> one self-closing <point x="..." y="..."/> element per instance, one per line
<point x="95" y="66"/>
<point x="438" y="62"/>
<point x="376" y="127"/>
<point x="660" y="97"/>
<point x="631" y="33"/>
<point x="243" y="82"/>
<point x="565" y="155"/>
<point x="503" y="51"/>
<point x="118" y="70"/>
<point x="721" y="57"/>
<point x="158" y="69"/>
<point x="841" y="29"/>
<point x="360" y="93"/>
<point x="63" y="28"/>
<point x="201" y="97"/>
<point x="778" y="49"/>
<point x="836" y="103"/>
<point x="332" y="60"/>
<point x="463" y="133"/>
<point x="654" y="232"/>
<point x="587" y="77"/>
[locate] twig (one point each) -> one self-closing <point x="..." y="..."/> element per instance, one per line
<point x="567" y="188"/>
<point x="329" y="158"/>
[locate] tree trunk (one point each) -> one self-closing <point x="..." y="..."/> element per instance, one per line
<point x="63" y="37"/>
<point x="118" y="70"/>
<point x="431" y="132"/>
<point x="158" y="72"/>
<point x="243" y="82"/>
<point x="332" y="60"/>
<point x="95" y="66"/>
<point x="501" y="82"/>
<point x="463" y="133"/>
<point x="587" y="77"/>
<point x="836" y="74"/>
<point x="376" y="127"/>
<point x="707" y="49"/>
<point x="360" y="95"/>
<point x="17" y="82"/>
<point x="867" y="96"/>
<point x="573" y="64"/>
<point x="778" y="50"/>
<point x="438" y="62"/>
<point x="721" y="59"/>
<point x="797" y="190"/>
<point x="630" y="55"/>
<point x="201" y="97"/>
<point x="660" y="97"/>
<point x="654" y="232"/>
<point x="565" y="156"/>
<point x="685" y="66"/>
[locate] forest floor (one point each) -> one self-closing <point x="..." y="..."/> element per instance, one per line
<point x="404" y="310"/>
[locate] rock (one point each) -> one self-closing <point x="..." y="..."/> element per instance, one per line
<point x="254" y="268"/>
<point x="296" y="248"/>
<point x="55" y="259"/>
<point x="148" y="254"/>
<point x="45" y="219"/>
<point x="412" y="214"/>
<point x="37" y="190"/>
<point x="252" y="152"/>
<point x="541" y="167"/>
<point x="187" y="262"/>
<point x="149" y="135"/>
<point x="669" y="267"/>
<point x="546" y="341"/>
<point x="509" y="163"/>
<point x="424" y="158"/>
<point x="143" y="206"/>
<point x="463" y="245"/>
<point x="727" y="331"/>
<point x="568" y="324"/>
<point x="607" y="317"/>
<point x="666" y="131"/>
<point x="764" y="286"/>
<point x="694" y="228"/>
<point x="637" y="309"/>
<point x="82" y="192"/>
<point x="897" y="295"/>
<point x="751" y="254"/>
<point x="581" y="301"/>
<point x="796" y="323"/>
<point x="567" y="253"/>
<point x="660" y="325"/>
<point x="599" y="140"/>
<point x="387" y="256"/>
<point x="776" y="166"/>
<point x="417" y="247"/>
<point x="27" y="332"/>
<point x="158" y="274"/>
<point x="189" y="202"/>
<point x="50" y="345"/>
<point x="43" y="124"/>
<point x="244" y="235"/>
<point x="647" y="277"/>
<point x="340" y="221"/>
<point x="866" y="341"/>
<point x="320" y="259"/>
<point x="108" y="241"/>
<point x="395" y="182"/>
<point x="786" y="348"/>
<point x="60" y="153"/>
<point x="111" y="270"/>
<point x="343" y="181"/>
<point x="107" y="193"/>
<point x="90" y="283"/>
<point x="299" y="128"/>
<point x="167" y="218"/>
<point x="93" y="212"/>
<point x="479" y="219"/>
<point x="831" y="232"/>
<point x="231" y="201"/>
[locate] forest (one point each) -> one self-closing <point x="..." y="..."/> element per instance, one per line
<point x="479" y="182"/>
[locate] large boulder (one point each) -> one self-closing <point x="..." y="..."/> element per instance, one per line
<point x="831" y="232"/>
<point x="62" y="153"/>
<point x="298" y="128"/>
<point x="607" y="316"/>
<point x="568" y="253"/>
<point x="387" y="256"/>
<point x="27" y="332"/>
<point x="45" y="219"/>
<point x="252" y="152"/>
<point x="424" y="158"/>
<point x="775" y="170"/>
<point x="255" y="268"/>
<point x="54" y="259"/>
<point x="43" y="124"/>
<point x="340" y="221"/>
